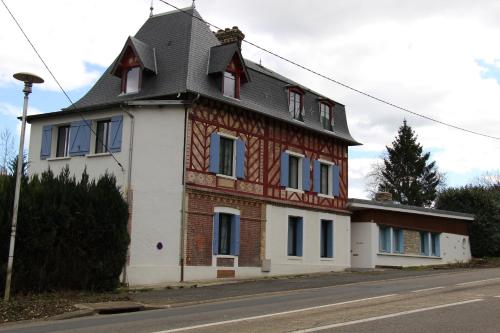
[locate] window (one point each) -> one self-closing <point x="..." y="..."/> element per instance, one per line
<point x="397" y="240"/>
<point x="62" y="141"/>
<point x="424" y="243"/>
<point x="324" y="179"/>
<point x="295" y="236"/>
<point x="326" y="116"/>
<point x="226" y="234"/>
<point x="326" y="242"/>
<point x="226" y="156"/>
<point x="293" y="174"/>
<point x="102" y="136"/>
<point x="295" y="105"/>
<point x="435" y="251"/>
<point x="132" y="79"/>
<point x="384" y="239"/>
<point x="230" y="85"/>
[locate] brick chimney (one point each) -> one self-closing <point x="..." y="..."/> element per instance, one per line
<point x="383" y="196"/>
<point x="230" y="35"/>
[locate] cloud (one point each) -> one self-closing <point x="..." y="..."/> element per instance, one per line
<point x="10" y="110"/>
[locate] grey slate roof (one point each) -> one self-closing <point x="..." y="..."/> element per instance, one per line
<point x="183" y="47"/>
<point x="144" y="52"/>
<point x="352" y="203"/>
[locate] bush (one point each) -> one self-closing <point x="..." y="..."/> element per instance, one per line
<point x="484" y="203"/>
<point x="70" y="235"/>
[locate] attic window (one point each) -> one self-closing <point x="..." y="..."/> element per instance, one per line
<point x="131" y="80"/>
<point x="326" y="116"/>
<point x="231" y="85"/>
<point x="295" y="104"/>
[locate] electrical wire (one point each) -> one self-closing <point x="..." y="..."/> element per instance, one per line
<point x="87" y="123"/>
<point x="378" y="99"/>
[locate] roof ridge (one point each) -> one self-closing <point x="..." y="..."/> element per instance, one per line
<point x="173" y="11"/>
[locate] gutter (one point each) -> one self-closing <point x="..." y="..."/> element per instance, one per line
<point x="129" y="189"/>
<point x="183" y="234"/>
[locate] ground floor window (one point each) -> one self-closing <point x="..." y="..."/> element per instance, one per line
<point x="295" y="234"/>
<point x="384" y="239"/>
<point x="424" y="243"/>
<point x="326" y="242"/>
<point x="435" y="251"/>
<point x="398" y="241"/>
<point x="226" y="234"/>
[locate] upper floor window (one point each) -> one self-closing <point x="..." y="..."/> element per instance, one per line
<point x="324" y="183"/>
<point x="62" y="149"/>
<point x="227" y="155"/>
<point x="230" y="85"/>
<point x="293" y="171"/>
<point x="131" y="80"/>
<point x="326" y="115"/>
<point x="102" y="136"/>
<point x="295" y="104"/>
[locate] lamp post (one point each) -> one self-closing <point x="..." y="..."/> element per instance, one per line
<point x="28" y="80"/>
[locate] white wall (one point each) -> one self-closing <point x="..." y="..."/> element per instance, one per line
<point x="156" y="184"/>
<point x="277" y="240"/>
<point x="365" y="250"/>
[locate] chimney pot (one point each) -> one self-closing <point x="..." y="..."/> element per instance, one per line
<point x="383" y="196"/>
<point x="230" y="35"/>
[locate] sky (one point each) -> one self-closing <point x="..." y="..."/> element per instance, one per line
<point x="435" y="57"/>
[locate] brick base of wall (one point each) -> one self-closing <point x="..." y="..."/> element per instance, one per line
<point x="199" y="231"/>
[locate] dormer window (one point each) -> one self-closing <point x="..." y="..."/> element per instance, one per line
<point x="295" y="104"/>
<point x="230" y="85"/>
<point x="131" y="80"/>
<point x="326" y="115"/>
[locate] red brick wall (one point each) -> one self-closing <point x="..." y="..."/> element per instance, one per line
<point x="200" y="227"/>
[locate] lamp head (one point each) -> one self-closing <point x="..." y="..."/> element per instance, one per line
<point x="28" y="77"/>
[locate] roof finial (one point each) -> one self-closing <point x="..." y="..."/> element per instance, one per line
<point x="194" y="4"/>
<point x="151" y="9"/>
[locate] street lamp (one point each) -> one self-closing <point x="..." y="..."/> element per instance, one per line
<point x="28" y="80"/>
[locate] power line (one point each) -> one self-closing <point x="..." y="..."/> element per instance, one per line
<point x="60" y="86"/>
<point x="378" y="99"/>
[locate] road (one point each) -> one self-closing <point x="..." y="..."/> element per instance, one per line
<point x="467" y="301"/>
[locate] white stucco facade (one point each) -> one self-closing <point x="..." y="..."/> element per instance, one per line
<point x="310" y="261"/>
<point x="365" y="249"/>
<point x="156" y="182"/>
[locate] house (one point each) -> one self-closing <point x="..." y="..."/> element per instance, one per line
<point x="388" y="234"/>
<point x="229" y="168"/>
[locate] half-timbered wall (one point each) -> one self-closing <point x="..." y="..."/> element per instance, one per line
<point x="264" y="139"/>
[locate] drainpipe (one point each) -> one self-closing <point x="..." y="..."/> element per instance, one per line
<point x="129" y="189"/>
<point x="183" y="199"/>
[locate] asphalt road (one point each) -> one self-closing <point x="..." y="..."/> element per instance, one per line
<point x="467" y="301"/>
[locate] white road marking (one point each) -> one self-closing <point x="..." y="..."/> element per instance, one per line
<point x="478" y="281"/>
<point x="497" y="296"/>
<point x="232" y="321"/>
<point x="392" y="315"/>
<point x="427" y="289"/>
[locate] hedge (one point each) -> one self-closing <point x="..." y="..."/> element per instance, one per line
<point x="72" y="235"/>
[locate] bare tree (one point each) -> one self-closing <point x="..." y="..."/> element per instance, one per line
<point x="6" y="149"/>
<point x="488" y="179"/>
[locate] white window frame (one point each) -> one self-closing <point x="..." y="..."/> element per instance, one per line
<point x="300" y="183"/>
<point x="231" y="211"/>
<point x="231" y="137"/>
<point x="330" y="179"/>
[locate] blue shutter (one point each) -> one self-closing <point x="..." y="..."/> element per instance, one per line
<point x="284" y="169"/>
<point x="300" y="236"/>
<point x="401" y="241"/>
<point x="79" y="138"/>
<point x="215" y="238"/>
<point x="316" y="176"/>
<point x="336" y="180"/>
<point x="235" y="235"/>
<point x="306" y="174"/>
<point x="46" y="142"/>
<point x="214" y="152"/>
<point x="240" y="159"/>
<point x="329" y="240"/>
<point x="116" y="134"/>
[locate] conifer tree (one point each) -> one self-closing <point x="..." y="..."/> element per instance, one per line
<point x="407" y="172"/>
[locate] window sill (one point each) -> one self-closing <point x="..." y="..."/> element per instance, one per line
<point x="294" y="258"/>
<point x="407" y="255"/>
<point x="228" y="256"/>
<point x="326" y="259"/>
<point x="294" y="190"/>
<point x="98" y="155"/>
<point x="233" y="98"/>
<point x="128" y="94"/>
<point x="225" y="176"/>
<point x="328" y="196"/>
<point x="298" y="120"/>
<point x="62" y="158"/>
